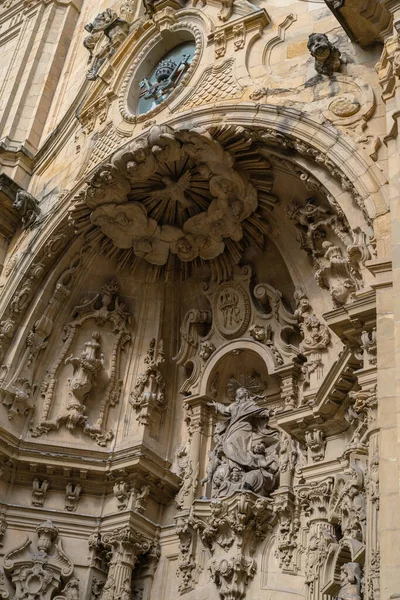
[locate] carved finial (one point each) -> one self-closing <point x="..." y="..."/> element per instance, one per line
<point x="327" y="56"/>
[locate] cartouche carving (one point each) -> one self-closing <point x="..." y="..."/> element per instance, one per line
<point x="104" y="307"/>
<point x="327" y="56"/>
<point x="40" y="571"/>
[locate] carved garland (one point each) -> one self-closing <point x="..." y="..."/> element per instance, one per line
<point x="123" y="95"/>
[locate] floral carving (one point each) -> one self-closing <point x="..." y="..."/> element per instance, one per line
<point x="149" y="391"/>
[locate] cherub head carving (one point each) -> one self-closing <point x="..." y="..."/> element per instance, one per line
<point x="327" y="56"/>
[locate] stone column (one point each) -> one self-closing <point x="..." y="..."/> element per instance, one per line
<point x="126" y="545"/>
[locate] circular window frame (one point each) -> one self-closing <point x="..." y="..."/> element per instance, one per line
<point x="144" y="55"/>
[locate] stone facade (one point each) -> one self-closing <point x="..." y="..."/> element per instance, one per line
<point x="199" y="332"/>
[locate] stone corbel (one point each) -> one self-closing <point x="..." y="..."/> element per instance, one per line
<point x="365" y="22"/>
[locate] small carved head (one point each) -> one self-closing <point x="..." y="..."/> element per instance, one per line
<point x="319" y="46"/>
<point x="257" y="332"/>
<point x="242" y="394"/>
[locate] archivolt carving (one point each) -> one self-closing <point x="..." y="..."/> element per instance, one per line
<point x="104" y="309"/>
<point x="24" y="293"/>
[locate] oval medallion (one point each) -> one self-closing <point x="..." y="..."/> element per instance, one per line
<point x="231" y="310"/>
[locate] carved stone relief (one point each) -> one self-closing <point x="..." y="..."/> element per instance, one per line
<point x="134" y="225"/>
<point x="350" y="582"/>
<point x="238" y="461"/>
<point x="327" y="56"/>
<point x="27" y="207"/>
<point x="72" y="496"/>
<point x="149" y="392"/>
<point x="106" y="33"/>
<point x="111" y="317"/>
<point x="126" y="545"/>
<point x="39" y="492"/>
<point x="43" y="570"/>
<point x="17" y="387"/>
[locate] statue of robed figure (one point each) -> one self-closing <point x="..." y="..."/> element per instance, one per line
<point x="245" y="456"/>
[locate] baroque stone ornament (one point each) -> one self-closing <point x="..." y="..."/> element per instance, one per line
<point x="193" y="215"/>
<point x="149" y="392"/>
<point x="27" y="207"/>
<point x="316" y="442"/>
<point x="348" y="503"/>
<point x="126" y="546"/>
<point x="104" y="311"/>
<point x="106" y="33"/>
<point x="230" y="529"/>
<point x="338" y="274"/>
<point x="17" y="388"/>
<point x="39" y="573"/>
<point x="238" y="461"/>
<point x="72" y="495"/>
<point x="327" y="56"/>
